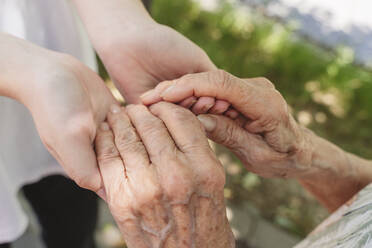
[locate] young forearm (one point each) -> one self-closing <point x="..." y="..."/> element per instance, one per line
<point x="108" y="19"/>
<point x="17" y="58"/>
<point x="335" y="175"/>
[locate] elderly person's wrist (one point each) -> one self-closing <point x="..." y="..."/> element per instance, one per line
<point x="300" y="155"/>
<point x="334" y="175"/>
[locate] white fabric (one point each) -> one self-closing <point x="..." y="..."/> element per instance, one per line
<point x="23" y="158"/>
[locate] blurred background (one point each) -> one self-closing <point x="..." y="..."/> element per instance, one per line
<point x="319" y="56"/>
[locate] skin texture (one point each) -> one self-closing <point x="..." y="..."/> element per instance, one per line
<point x="67" y="101"/>
<point x="260" y="130"/>
<point x="138" y="52"/>
<point x="163" y="184"/>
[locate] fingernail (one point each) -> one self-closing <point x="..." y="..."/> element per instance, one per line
<point x="206" y="107"/>
<point x="209" y="123"/>
<point x="104" y="126"/>
<point x="232" y="114"/>
<point x="114" y="109"/>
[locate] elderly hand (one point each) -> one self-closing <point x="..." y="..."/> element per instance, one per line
<point x="265" y="136"/>
<point x="163" y="184"/>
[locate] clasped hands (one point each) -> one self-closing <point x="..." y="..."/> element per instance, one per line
<point x="163" y="183"/>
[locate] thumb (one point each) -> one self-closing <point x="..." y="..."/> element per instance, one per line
<point x="223" y="130"/>
<point x="78" y="159"/>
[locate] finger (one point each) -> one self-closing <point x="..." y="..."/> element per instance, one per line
<point x="182" y="125"/>
<point x="133" y="153"/>
<point x="261" y="82"/>
<point x="79" y="161"/>
<point x="153" y="133"/>
<point x="243" y="95"/>
<point x="188" y="102"/>
<point x="113" y="174"/>
<point x="232" y="114"/>
<point x="245" y="145"/>
<point x="219" y="107"/>
<point x="108" y="157"/>
<point x="203" y="105"/>
<point x="128" y="143"/>
<point x="223" y="130"/>
<point x="162" y="150"/>
<point x="153" y="96"/>
<point x="241" y="121"/>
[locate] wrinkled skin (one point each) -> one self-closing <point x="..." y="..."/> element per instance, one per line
<point x="163" y="184"/>
<point x="259" y="128"/>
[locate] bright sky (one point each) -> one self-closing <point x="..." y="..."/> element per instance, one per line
<point x="344" y="12"/>
<point x="331" y="22"/>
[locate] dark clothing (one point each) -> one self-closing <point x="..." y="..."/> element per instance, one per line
<point x="67" y="213"/>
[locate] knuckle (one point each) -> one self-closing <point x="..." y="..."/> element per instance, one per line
<point x="107" y="153"/>
<point x="182" y="114"/>
<point x="134" y="147"/>
<point x="219" y="76"/>
<point x="179" y="190"/>
<point x="214" y="180"/>
<point x="266" y="82"/>
<point x="186" y="78"/>
<point x="195" y="144"/>
<point x="162" y="85"/>
<point x="158" y="107"/>
<point x="135" y="108"/>
<point x="279" y="101"/>
<point x="229" y="138"/>
<point x="163" y="153"/>
<point x="151" y="195"/>
<point x="126" y="138"/>
<point x="151" y="126"/>
<point x="179" y="186"/>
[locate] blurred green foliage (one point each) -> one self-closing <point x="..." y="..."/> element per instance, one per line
<point x="327" y="92"/>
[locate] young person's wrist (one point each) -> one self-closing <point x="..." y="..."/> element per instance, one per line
<point x="21" y="65"/>
<point x="110" y="22"/>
